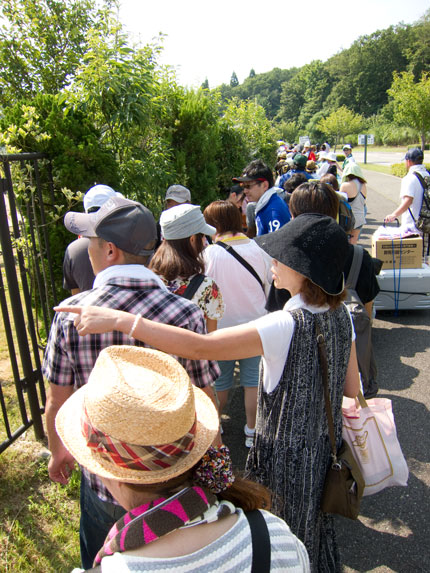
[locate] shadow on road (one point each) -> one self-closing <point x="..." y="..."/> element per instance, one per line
<point x="390" y="345"/>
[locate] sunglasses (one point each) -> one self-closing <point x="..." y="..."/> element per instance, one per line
<point x="249" y="185"/>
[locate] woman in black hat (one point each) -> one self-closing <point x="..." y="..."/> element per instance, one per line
<point x="291" y="451"/>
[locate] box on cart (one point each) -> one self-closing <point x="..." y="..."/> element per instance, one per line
<point x="398" y="253"/>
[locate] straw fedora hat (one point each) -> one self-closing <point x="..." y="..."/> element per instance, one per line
<point x="138" y="419"/>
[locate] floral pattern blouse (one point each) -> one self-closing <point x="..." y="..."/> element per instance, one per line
<point x="208" y="297"/>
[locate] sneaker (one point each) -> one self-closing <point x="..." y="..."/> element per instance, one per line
<point x="248" y="432"/>
<point x="249" y="436"/>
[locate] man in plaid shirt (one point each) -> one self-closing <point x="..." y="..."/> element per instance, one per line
<point x="122" y="237"/>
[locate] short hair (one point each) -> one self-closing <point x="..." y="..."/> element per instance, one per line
<point x="260" y="170"/>
<point x="294" y="181"/>
<point x="130" y="258"/>
<point x="224" y="216"/>
<point x="314" y="295"/>
<point x="178" y="258"/>
<point x="314" y="197"/>
<point x="331" y="180"/>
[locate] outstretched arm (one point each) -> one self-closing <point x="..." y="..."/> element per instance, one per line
<point x="227" y="344"/>
<point x="404" y="206"/>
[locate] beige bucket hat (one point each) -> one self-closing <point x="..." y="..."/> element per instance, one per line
<point x="138" y="419"/>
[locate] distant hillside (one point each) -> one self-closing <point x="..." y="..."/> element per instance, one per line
<point x="357" y="77"/>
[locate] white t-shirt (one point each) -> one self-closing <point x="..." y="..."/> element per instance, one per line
<point x="276" y="332"/>
<point x="411" y="187"/>
<point x="243" y="296"/>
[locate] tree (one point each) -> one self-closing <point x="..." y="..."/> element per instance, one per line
<point x="340" y="123"/>
<point x="196" y="144"/>
<point x="205" y="84"/>
<point x="412" y="102"/>
<point x="252" y="73"/>
<point x="418" y="50"/>
<point x="257" y="133"/>
<point x="233" y="80"/>
<point x="41" y="44"/>
<point x="288" y="131"/>
<point x="363" y="73"/>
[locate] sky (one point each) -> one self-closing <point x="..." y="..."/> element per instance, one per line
<point x="213" y="39"/>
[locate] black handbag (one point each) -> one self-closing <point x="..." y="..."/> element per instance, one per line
<point x="344" y="483"/>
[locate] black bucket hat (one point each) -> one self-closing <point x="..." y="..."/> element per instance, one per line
<point x="313" y="245"/>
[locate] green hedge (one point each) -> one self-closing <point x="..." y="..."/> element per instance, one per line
<point x="399" y="169"/>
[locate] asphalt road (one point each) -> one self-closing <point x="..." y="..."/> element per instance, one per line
<point x="392" y="532"/>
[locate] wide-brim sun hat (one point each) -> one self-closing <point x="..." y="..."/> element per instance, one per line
<point x="313" y="245"/>
<point x="331" y="156"/>
<point x="352" y="169"/>
<point x="182" y="221"/>
<point x="138" y="419"/>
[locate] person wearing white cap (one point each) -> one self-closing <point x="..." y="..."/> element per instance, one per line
<point x="347" y="149"/>
<point x="179" y="263"/>
<point x="78" y="274"/>
<point x="329" y="160"/>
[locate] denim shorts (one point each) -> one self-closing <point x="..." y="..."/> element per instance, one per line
<point x="249" y="373"/>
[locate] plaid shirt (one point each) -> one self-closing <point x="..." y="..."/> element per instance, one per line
<point x="69" y="358"/>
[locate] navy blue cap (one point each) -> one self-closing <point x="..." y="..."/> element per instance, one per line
<point x="415" y="155"/>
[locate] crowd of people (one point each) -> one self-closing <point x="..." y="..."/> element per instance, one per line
<point x="140" y="364"/>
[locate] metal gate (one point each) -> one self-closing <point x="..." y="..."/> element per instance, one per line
<point x="27" y="291"/>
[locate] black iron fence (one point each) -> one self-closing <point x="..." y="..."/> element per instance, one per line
<point x="27" y="291"/>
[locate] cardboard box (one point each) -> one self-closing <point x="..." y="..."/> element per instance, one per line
<point x="405" y="252"/>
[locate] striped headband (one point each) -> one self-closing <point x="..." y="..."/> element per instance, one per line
<point x="131" y="456"/>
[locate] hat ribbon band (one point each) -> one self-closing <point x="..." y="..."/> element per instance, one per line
<point x="131" y="456"/>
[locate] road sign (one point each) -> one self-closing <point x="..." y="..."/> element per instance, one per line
<point x="370" y="139"/>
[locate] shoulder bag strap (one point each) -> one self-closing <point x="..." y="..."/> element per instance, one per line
<point x="420" y="179"/>
<point x="354" y="271"/>
<point x="423" y="185"/>
<point x="241" y="260"/>
<point x="322" y="352"/>
<point x="192" y="286"/>
<point x="261" y="550"/>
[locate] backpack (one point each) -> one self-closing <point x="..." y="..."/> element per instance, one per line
<point x="423" y="221"/>
<point x="345" y="217"/>
<point x="362" y="327"/>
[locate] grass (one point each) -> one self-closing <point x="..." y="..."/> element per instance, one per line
<point x="40" y="519"/>
<point x="375" y="167"/>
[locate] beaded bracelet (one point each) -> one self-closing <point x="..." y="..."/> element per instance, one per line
<point x="133" y="328"/>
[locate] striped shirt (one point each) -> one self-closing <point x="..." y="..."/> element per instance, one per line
<point x="230" y="553"/>
<point x="69" y="358"/>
